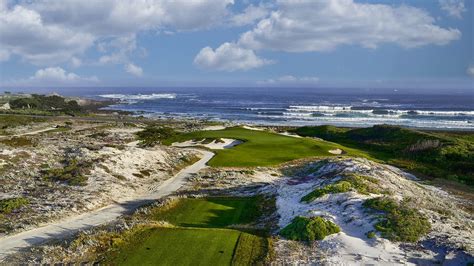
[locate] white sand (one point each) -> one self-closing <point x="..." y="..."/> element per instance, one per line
<point x="226" y="144"/>
<point x="214" y="128"/>
<point x="336" y="151"/>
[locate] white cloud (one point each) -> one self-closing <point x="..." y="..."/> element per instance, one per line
<point x="250" y="15"/>
<point x="288" y="80"/>
<point x="323" y="25"/>
<point x="229" y="57"/>
<point x="470" y="71"/>
<point x="134" y="70"/>
<point x="453" y="8"/>
<point x="76" y="62"/>
<point x="48" y="32"/>
<point x="52" y="76"/>
<point x="24" y="33"/>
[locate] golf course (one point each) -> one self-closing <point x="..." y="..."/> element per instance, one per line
<point x="198" y="234"/>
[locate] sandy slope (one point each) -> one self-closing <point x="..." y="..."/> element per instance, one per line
<point x="73" y="224"/>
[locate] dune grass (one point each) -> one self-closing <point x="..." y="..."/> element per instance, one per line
<point x="199" y="235"/>
<point x="261" y="148"/>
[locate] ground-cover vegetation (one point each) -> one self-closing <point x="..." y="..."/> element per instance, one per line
<point x="73" y="172"/>
<point x="260" y="148"/>
<point x="309" y="229"/>
<point x="52" y="103"/>
<point x="399" y="221"/>
<point x="361" y="184"/>
<point x="12" y="121"/>
<point x="201" y="232"/>
<point x="444" y="155"/>
<point x="17" y="142"/>
<point x="153" y="135"/>
<point x="9" y="205"/>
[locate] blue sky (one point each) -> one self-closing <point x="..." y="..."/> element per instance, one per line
<point x="312" y="43"/>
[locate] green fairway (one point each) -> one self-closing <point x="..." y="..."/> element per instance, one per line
<point x="180" y="246"/>
<point x="199" y="238"/>
<point x="210" y="212"/>
<point x="261" y="148"/>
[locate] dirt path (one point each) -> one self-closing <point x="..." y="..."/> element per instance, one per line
<point x="71" y="225"/>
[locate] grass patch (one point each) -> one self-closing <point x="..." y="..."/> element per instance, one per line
<point x="398" y="221"/>
<point x="362" y="184"/>
<point x="309" y="229"/>
<point x="445" y="155"/>
<point x="179" y="246"/>
<point x="18" y="142"/>
<point x="9" y="205"/>
<point x="210" y="212"/>
<point x="260" y="148"/>
<point x="198" y="235"/>
<point x="73" y="173"/>
<point x="153" y="135"/>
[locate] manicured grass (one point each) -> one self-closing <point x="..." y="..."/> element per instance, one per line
<point x="261" y="148"/>
<point x="179" y="246"/>
<point x="210" y="212"/>
<point x="199" y="237"/>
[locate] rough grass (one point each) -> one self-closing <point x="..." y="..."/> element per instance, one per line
<point x="361" y="184"/>
<point x="17" y="142"/>
<point x="9" y="205"/>
<point x="260" y="148"/>
<point x="444" y="155"/>
<point x="309" y="229"/>
<point x="73" y="173"/>
<point x="398" y="222"/>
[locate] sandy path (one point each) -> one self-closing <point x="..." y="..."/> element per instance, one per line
<point x="68" y="226"/>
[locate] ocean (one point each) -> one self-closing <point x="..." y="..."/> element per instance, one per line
<point x="297" y="106"/>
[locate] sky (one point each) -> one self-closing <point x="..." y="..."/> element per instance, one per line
<point x="426" y="44"/>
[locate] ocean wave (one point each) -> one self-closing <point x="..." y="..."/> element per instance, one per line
<point x="132" y="98"/>
<point x="375" y="111"/>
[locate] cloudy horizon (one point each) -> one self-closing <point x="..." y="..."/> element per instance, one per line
<point x="281" y="43"/>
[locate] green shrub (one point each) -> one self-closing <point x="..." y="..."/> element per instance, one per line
<point x="73" y="173"/>
<point x="18" y="142"/>
<point x="309" y="229"/>
<point x="371" y="234"/>
<point x="153" y="135"/>
<point x="361" y="184"/>
<point x="339" y="187"/>
<point x="9" y="205"/>
<point x="399" y="222"/>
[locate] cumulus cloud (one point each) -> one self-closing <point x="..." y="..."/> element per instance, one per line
<point x="47" y="32"/>
<point x="453" y="8"/>
<point x="229" y="57"/>
<point x="251" y="14"/>
<point x="52" y="76"/>
<point x="290" y="80"/>
<point x="322" y="25"/>
<point x="134" y="70"/>
<point x="470" y="71"/>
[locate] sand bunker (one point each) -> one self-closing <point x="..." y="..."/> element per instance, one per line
<point x="336" y="151"/>
<point x="218" y="144"/>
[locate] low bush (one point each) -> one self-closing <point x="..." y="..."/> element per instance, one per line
<point x="18" y="142"/>
<point x="362" y="184"/>
<point x="73" y="173"/>
<point x="399" y="222"/>
<point x="9" y="205"/>
<point x="153" y="135"/>
<point x="309" y="229"/>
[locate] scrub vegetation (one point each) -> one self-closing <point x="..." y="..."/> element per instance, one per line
<point x="361" y="184"/>
<point x="399" y="221"/>
<point x="445" y="155"/>
<point x="309" y="229"/>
